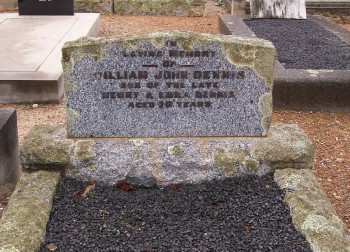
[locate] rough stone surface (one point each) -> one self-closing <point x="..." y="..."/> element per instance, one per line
<point x="286" y="146"/>
<point x="9" y="152"/>
<point x="221" y="88"/>
<point x="150" y="161"/>
<point x="46" y="146"/>
<point x="8" y="4"/>
<point x="295" y="9"/>
<point x="105" y="6"/>
<point x="312" y="212"/>
<point x="23" y="222"/>
<point x="160" y="7"/>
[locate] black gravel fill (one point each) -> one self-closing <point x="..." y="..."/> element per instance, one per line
<point x="237" y="214"/>
<point x="303" y="44"/>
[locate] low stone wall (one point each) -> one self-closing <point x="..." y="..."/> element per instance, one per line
<point x="160" y="7"/>
<point x="8" y="4"/>
<point x="105" y="6"/>
<point x="151" y="161"/>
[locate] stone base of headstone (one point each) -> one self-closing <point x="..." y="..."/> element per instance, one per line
<point x="105" y="6"/>
<point x="8" y="4"/>
<point x="9" y="153"/>
<point x="163" y="7"/>
<point x="294" y="9"/>
<point x="151" y="161"/>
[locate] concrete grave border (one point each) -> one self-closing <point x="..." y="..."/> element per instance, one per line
<point x="302" y="89"/>
<point x="45" y="85"/>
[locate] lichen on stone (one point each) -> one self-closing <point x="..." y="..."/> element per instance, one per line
<point x="250" y="164"/>
<point x="84" y="150"/>
<point x="23" y="223"/>
<point x="265" y="107"/>
<point x="176" y="150"/>
<point x="229" y="158"/>
<point x="46" y="146"/>
<point x="312" y="212"/>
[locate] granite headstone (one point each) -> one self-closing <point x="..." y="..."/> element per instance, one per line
<point x="9" y="151"/>
<point x="168" y="84"/>
<point x="45" y="7"/>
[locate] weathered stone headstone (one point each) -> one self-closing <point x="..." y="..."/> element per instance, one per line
<point x="293" y="9"/>
<point x="160" y="7"/>
<point x="9" y="153"/>
<point x="178" y="84"/>
<point x="185" y="96"/>
<point x="45" y="7"/>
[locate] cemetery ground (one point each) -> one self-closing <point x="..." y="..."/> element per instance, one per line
<point x="330" y="132"/>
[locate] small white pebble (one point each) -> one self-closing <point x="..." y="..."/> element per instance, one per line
<point x="35" y="105"/>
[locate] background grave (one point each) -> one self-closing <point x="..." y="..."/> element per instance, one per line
<point x="30" y="70"/>
<point x="303" y="89"/>
<point x="9" y="150"/>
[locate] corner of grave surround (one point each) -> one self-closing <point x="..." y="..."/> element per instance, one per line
<point x="286" y="146"/>
<point x="46" y="147"/>
<point x="312" y="212"/>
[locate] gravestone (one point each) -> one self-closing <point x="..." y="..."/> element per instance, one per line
<point x="9" y="152"/>
<point x="168" y="85"/>
<point x="293" y="9"/>
<point x="45" y="7"/>
<point x="199" y="106"/>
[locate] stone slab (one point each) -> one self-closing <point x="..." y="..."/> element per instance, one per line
<point x="302" y="89"/>
<point x="168" y="84"/>
<point x="8" y="4"/>
<point x="30" y="69"/>
<point x="291" y="9"/>
<point x="162" y="161"/>
<point x="160" y="7"/>
<point x="9" y="151"/>
<point x="45" y="7"/>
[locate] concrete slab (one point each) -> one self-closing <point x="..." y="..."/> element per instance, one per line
<point x="302" y="89"/>
<point x="30" y="49"/>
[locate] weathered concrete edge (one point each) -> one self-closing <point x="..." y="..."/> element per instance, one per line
<point x="302" y="89"/>
<point x="165" y="160"/>
<point x="312" y="212"/>
<point x="23" y="223"/>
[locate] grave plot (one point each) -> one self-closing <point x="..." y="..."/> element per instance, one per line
<point x="112" y="139"/>
<point x="30" y="67"/>
<point x="313" y="65"/>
